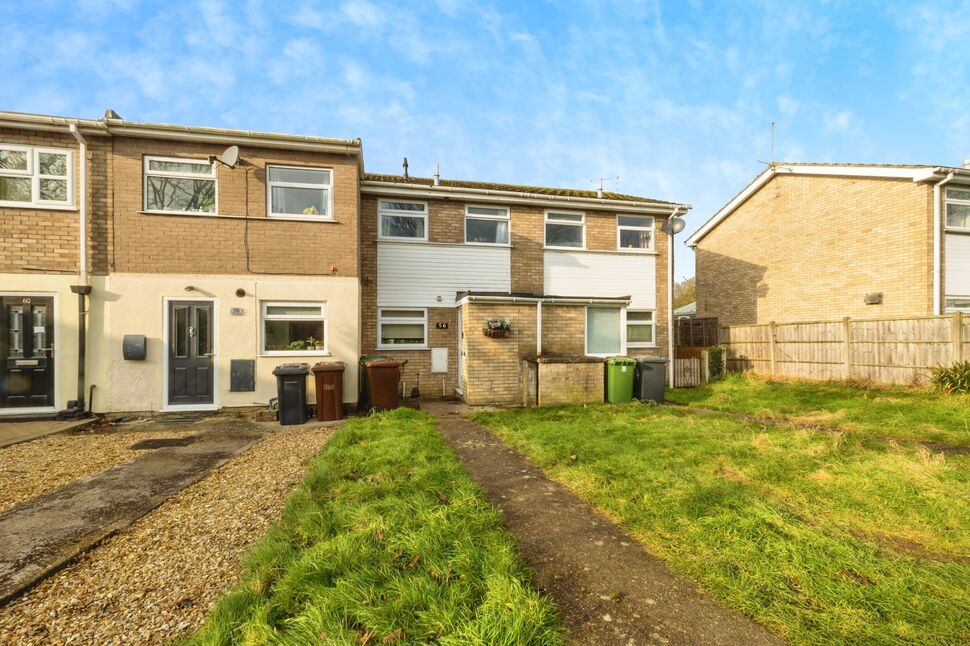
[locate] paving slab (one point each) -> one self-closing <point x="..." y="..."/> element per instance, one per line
<point x="608" y="588"/>
<point x="41" y="535"/>
<point x="17" y="432"/>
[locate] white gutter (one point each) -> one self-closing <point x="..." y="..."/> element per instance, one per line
<point x="82" y="201"/>
<point x="511" y="197"/>
<point x="552" y="300"/>
<point x="937" y="247"/>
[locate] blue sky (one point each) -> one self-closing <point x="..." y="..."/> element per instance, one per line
<point x="675" y="98"/>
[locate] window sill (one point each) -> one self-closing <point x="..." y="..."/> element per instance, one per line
<point x="261" y="218"/>
<point x="405" y="240"/>
<point x="37" y="207"/>
<point x="609" y="251"/>
<point x="301" y="218"/>
<point x="639" y="252"/>
<point x="500" y="245"/>
<point x="392" y="348"/>
<point x="296" y="353"/>
<point x="637" y="346"/>
<point x="958" y="230"/>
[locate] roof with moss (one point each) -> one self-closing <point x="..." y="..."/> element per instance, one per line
<point x="512" y="188"/>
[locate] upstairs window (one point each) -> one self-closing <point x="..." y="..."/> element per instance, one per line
<point x="565" y="230"/>
<point x="174" y="185"/>
<point x="958" y="208"/>
<point x="486" y="225"/>
<point x="402" y="220"/>
<point x="295" y="192"/>
<point x="634" y="233"/>
<point x="36" y="177"/>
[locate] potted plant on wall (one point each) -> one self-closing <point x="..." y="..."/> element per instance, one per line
<point x="312" y="343"/>
<point x="497" y="328"/>
<point x="296" y="345"/>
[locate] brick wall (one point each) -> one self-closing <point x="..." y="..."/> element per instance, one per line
<point x="570" y="383"/>
<point x="46" y="240"/>
<point x="804" y="248"/>
<point x="244" y="240"/>
<point x="493" y="366"/>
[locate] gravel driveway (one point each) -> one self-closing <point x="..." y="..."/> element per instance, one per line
<point x="157" y="579"/>
<point x="47" y="463"/>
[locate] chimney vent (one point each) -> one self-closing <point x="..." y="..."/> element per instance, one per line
<point x="437" y="174"/>
<point x="965" y="164"/>
<point x="405" y="166"/>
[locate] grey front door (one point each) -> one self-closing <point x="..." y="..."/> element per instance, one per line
<point x="190" y="369"/>
<point x="27" y="352"/>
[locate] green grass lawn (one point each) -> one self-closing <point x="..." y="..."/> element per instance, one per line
<point x="387" y="541"/>
<point x="897" y="412"/>
<point x="825" y="538"/>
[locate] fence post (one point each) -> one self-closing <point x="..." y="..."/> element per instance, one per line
<point x="956" y="337"/>
<point x="847" y="347"/>
<point x="771" y="345"/>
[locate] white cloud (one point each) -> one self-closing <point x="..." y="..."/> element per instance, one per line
<point x="838" y="121"/>
<point x="363" y="14"/>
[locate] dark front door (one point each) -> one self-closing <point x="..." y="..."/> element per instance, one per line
<point x="27" y="352"/>
<point x="190" y="372"/>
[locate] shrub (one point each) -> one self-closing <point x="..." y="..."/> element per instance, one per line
<point x="717" y="361"/>
<point x="954" y="378"/>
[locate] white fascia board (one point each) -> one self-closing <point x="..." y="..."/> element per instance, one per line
<point x="492" y="196"/>
<point x="884" y="172"/>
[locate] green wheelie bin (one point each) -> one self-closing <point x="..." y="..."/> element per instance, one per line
<point x="619" y="379"/>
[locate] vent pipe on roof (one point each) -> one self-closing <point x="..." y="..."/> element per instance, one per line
<point x="966" y="163"/>
<point x="437" y="174"/>
<point x="405" y="166"/>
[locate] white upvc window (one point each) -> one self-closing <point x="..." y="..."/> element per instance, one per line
<point x="486" y="225"/>
<point x="293" y="327"/>
<point x="400" y="220"/>
<point x="402" y="329"/>
<point x="605" y="332"/>
<point x="641" y="329"/>
<point x="299" y="192"/>
<point x="957" y="303"/>
<point x="179" y="185"/>
<point x="565" y="230"/>
<point x="958" y="208"/>
<point x="634" y="233"/>
<point x="36" y="177"/>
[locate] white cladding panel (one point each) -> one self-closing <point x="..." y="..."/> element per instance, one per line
<point x="573" y="273"/>
<point x="415" y="274"/>
<point x="957" y="269"/>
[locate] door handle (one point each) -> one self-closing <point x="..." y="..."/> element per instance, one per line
<point x="209" y="354"/>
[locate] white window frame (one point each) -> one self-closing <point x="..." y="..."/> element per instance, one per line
<point x="623" y="346"/>
<point x="146" y="172"/>
<point x="263" y="317"/>
<point x="554" y="212"/>
<point x="652" y="324"/>
<point x="320" y="187"/>
<point x="949" y="200"/>
<point x="381" y="212"/>
<point x="499" y="218"/>
<point x="949" y="309"/>
<point x="33" y="174"/>
<point x="381" y="320"/>
<point x="649" y="229"/>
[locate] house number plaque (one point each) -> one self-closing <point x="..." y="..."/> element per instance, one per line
<point x="441" y="326"/>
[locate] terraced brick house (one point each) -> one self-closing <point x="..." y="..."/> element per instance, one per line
<point x="823" y="241"/>
<point x="142" y="269"/>
<point x="575" y="275"/>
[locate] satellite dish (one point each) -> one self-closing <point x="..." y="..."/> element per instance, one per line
<point x="230" y="156"/>
<point x="673" y="226"/>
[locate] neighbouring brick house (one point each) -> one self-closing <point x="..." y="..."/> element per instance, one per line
<point x="824" y="241"/>
<point x="229" y="269"/>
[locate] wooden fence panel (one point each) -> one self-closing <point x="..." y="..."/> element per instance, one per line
<point x="882" y="350"/>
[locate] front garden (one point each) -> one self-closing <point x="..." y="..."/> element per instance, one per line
<point x="843" y="519"/>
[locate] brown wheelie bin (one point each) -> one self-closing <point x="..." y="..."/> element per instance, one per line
<point x="384" y="378"/>
<point x="329" y="381"/>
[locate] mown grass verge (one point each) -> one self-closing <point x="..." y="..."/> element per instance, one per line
<point x="387" y="541"/>
<point x="884" y="411"/>
<point x="825" y="538"/>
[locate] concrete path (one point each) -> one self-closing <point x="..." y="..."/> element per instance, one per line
<point x="41" y="535"/>
<point x="17" y="432"/>
<point x="609" y="590"/>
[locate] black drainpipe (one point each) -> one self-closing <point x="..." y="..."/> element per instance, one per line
<point x="82" y="292"/>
